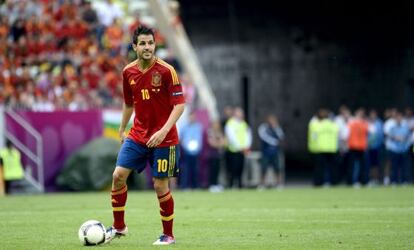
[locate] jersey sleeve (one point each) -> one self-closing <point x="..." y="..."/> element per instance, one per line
<point x="175" y="90"/>
<point x="128" y="97"/>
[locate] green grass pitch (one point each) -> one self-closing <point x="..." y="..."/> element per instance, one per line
<point x="294" y="218"/>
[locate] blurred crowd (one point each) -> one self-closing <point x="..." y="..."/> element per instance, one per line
<point x="362" y="148"/>
<point x="66" y="54"/>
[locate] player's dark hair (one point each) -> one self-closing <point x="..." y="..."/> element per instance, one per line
<point x="142" y="30"/>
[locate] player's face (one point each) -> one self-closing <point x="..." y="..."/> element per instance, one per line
<point x="145" y="47"/>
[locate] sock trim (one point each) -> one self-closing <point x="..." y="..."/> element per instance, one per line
<point x="118" y="209"/>
<point x="120" y="191"/>
<point x="164" y="199"/>
<point x="162" y="196"/>
<point x="167" y="218"/>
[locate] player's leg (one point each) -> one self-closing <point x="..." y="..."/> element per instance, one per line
<point x="119" y="196"/>
<point x="166" y="202"/>
<point x="164" y="165"/>
<point x="118" y="200"/>
<point x="131" y="156"/>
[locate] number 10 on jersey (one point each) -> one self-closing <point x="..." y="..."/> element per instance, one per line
<point x="145" y="94"/>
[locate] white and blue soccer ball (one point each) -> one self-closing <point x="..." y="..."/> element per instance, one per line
<point x="91" y="233"/>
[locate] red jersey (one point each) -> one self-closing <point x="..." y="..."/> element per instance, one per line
<point x="153" y="92"/>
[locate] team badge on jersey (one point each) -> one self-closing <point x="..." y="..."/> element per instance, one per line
<point x="156" y="79"/>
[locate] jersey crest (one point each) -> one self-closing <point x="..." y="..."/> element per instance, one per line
<point x="156" y="79"/>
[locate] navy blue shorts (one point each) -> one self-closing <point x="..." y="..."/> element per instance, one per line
<point x="163" y="161"/>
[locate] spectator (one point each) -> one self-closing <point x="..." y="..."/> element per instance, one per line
<point x="389" y="116"/>
<point x="399" y="136"/>
<point x="216" y="145"/>
<point x="18" y="30"/>
<point x="89" y="15"/>
<point x="7" y="10"/>
<point x="239" y="139"/>
<point x="323" y="144"/>
<point x="107" y="12"/>
<point x="341" y="121"/>
<point x="113" y="37"/>
<point x="271" y="136"/>
<point x="225" y="116"/>
<point x="409" y="118"/>
<point x="358" y="145"/>
<point x="191" y="136"/>
<point x="375" y="142"/>
<point x="4" y="27"/>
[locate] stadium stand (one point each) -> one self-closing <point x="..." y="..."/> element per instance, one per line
<point x="68" y="54"/>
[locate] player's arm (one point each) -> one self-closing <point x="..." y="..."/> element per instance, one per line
<point x="160" y="135"/>
<point x="127" y="108"/>
<point x="127" y="111"/>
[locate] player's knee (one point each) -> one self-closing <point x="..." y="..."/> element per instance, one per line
<point x="161" y="187"/>
<point x="118" y="179"/>
<point x="157" y="187"/>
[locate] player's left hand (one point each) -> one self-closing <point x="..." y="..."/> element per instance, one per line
<point x="156" y="139"/>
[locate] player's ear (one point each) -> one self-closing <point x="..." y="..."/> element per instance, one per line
<point x="134" y="47"/>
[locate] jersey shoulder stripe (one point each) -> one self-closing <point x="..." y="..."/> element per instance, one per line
<point x="133" y="63"/>
<point x="174" y="76"/>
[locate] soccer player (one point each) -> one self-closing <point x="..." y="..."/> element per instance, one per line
<point x="151" y="89"/>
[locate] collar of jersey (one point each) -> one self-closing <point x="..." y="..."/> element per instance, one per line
<point x="143" y="71"/>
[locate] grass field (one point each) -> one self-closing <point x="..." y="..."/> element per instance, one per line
<point x="294" y="218"/>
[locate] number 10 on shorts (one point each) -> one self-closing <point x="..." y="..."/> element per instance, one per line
<point x="162" y="165"/>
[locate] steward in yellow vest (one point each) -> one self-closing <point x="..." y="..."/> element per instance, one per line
<point x="323" y="136"/>
<point x="11" y="164"/>
<point x="323" y="144"/>
<point x="239" y="138"/>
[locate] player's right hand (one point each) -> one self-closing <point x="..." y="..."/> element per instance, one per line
<point x="122" y="136"/>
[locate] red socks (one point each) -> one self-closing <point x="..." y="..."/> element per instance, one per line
<point x="166" y="201"/>
<point x="167" y="213"/>
<point x="119" y="198"/>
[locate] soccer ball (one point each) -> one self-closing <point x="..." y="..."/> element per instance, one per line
<point x="92" y="232"/>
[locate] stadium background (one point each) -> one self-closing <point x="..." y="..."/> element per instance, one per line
<point x="293" y="57"/>
<point x="291" y="60"/>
